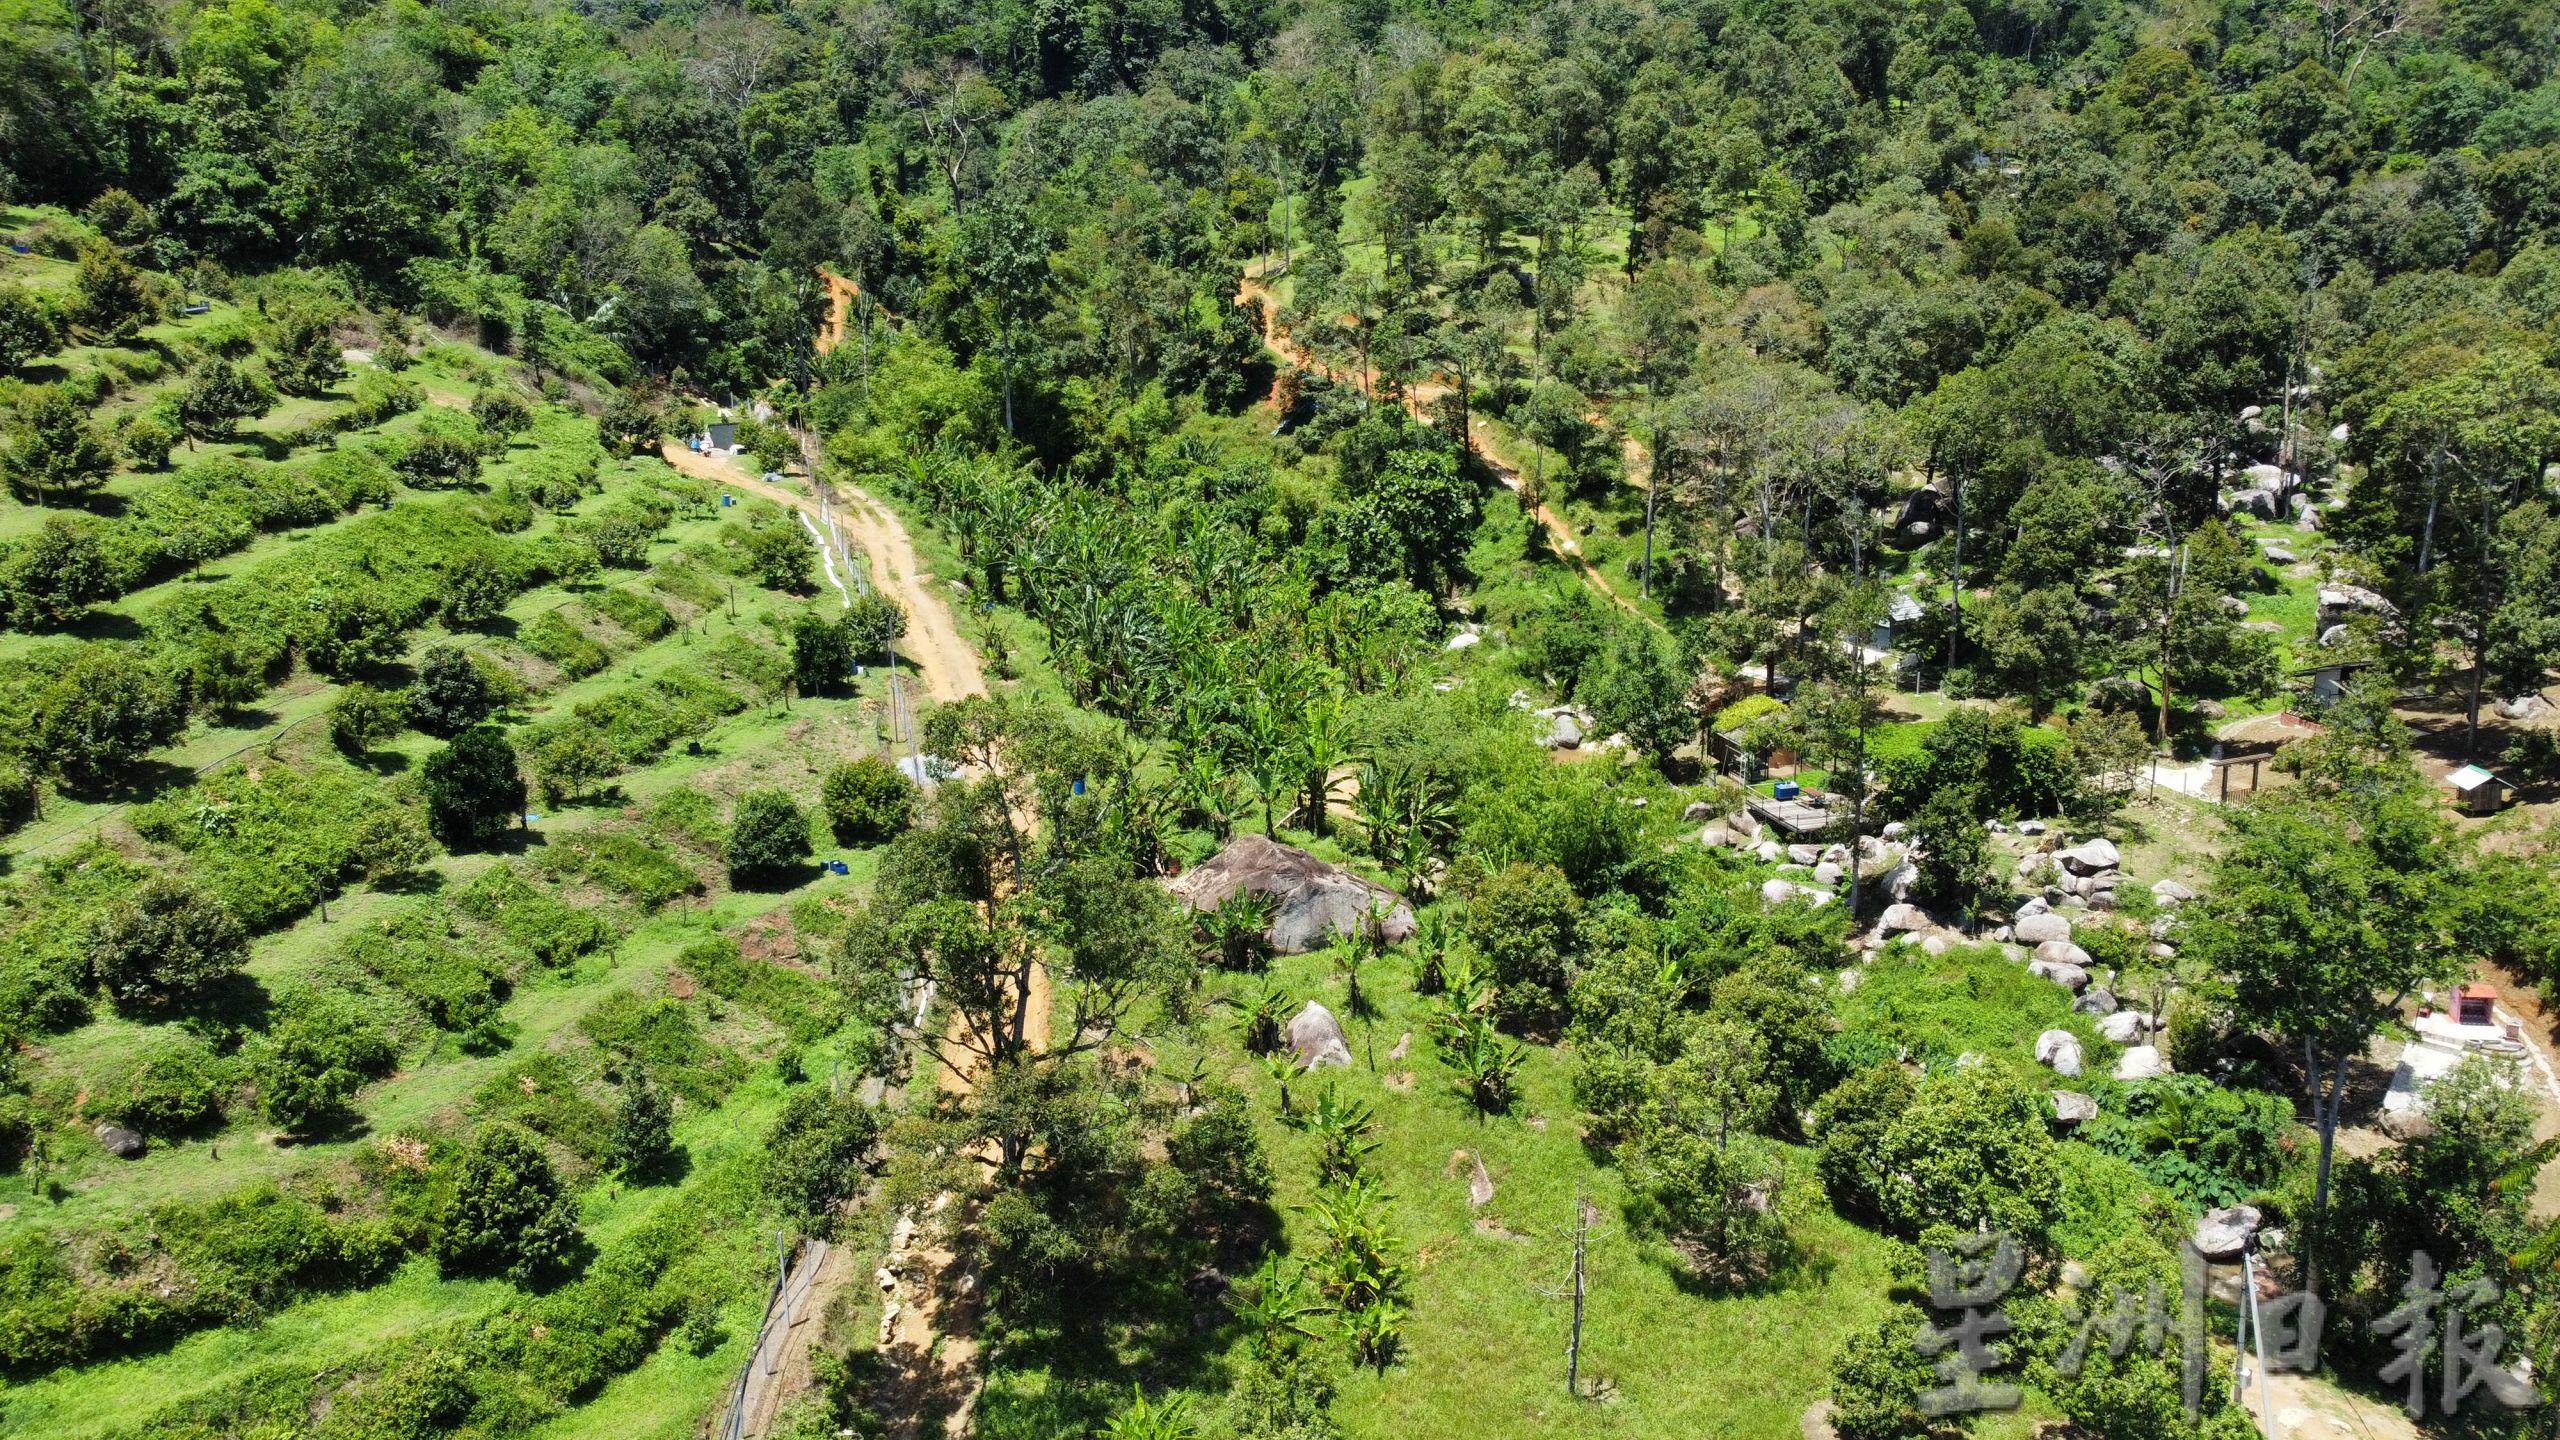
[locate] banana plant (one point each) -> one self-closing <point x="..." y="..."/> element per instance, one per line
<point x="1282" y="1068"/>
<point x="1276" y="1304"/>
<point x="1341" y="1128"/>
<point x="1377" y="1333"/>
<point x="1237" y="930"/>
<point x="1264" y="1009"/>
<point x="1170" y="1420"/>
<point x="1487" y="1065"/>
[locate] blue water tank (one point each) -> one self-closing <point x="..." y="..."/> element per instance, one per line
<point x="1785" y="790"/>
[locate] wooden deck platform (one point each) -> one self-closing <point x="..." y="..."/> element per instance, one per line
<point x="1794" y="816"/>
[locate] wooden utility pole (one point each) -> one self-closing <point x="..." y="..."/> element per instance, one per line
<point x="1581" y="1274"/>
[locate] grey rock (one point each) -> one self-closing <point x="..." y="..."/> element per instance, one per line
<point x="1311" y="901"/>
<point x="2338" y="601"/>
<point x="2070" y="1107"/>
<point x="121" y="1143"/>
<point x="1895" y="830"/>
<point x="2069" y="977"/>
<point x="2089" y="857"/>
<point x="2172" y="892"/>
<point x="1695" y="811"/>
<point x="1898" y="918"/>
<point x="2407" y="1125"/>
<point x="2034" y="905"/>
<point x="2125" y="1027"/>
<point x="1999" y="933"/>
<point x="2142" y="1062"/>
<point x="1804" y="854"/>
<point x="2159" y="951"/>
<point x="2096" y="1000"/>
<point x="2223" y="1234"/>
<point x="2031" y="827"/>
<point x="2062" y="952"/>
<point x="1770" y="851"/>
<point x="2059" y="1050"/>
<point x="1829" y="873"/>
<point x="1316" y="1038"/>
<point x="2042" y="927"/>
<point x="1715" y="837"/>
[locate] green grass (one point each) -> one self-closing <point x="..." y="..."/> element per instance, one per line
<point x="1485" y="1344"/>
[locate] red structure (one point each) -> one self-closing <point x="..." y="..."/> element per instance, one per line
<point x="2475" y="1004"/>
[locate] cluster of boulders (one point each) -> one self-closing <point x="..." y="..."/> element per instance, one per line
<point x="2087" y="872"/>
<point x="1814" y="873"/>
<point x="2339" y="603"/>
<point x="1566" y="727"/>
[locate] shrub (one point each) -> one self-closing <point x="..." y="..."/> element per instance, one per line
<point x="473" y="790"/>
<point x="509" y="1214"/>
<point x="768" y="837"/>
<point x="269" y="847"/>
<point x="166" y="945"/>
<point x="312" y="1062"/>
<point x="1523" y="920"/>
<point x="868" y="800"/>
<point x="806" y="1007"/>
<point x="362" y="715"/>
<point x="815" y="1155"/>
<point x="626" y="864"/>
<point x="637" y="614"/>
<point x="455" y="989"/>
<point x="451" y="695"/>
<point x="642" y="1143"/>
<point x="552" y="637"/>
<point x="169" y="1083"/>
<point x="544" y="927"/>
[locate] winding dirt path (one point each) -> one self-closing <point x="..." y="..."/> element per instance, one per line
<point x="932" y="643"/>
<point x="1418" y="399"/>
<point x="929" y="1334"/>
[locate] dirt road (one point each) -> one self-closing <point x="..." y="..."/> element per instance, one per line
<point x="1418" y="399"/>
<point x="932" y="642"/>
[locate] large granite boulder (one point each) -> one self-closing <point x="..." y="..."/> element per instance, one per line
<point x="121" y="1143"/>
<point x="2125" y="1027"/>
<point x="2089" y="857"/>
<point x="1311" y="901"/>
<point x="2059" y="1050"/>
<point x="2142" y="1062"/>
<point x="2069" y="977"/>
<point x="2062" y="952"/>
<point x="2223" y="1234"/>
<point x="2070" y="1107"/>
<point x="2041" y="928"/>
<point x="1898" y="918"/>
<point x="1316" y="1038"/>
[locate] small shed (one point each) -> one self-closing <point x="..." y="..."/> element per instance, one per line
<point x="721" y="435"/>
<point x="1899" y="612"/>
<point x="2475" y="1003"/>
<point x="2329" y="682"/>
<point x="2477" y="792"/>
